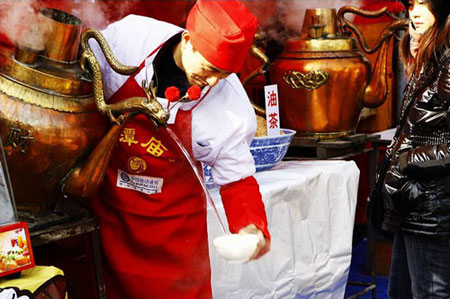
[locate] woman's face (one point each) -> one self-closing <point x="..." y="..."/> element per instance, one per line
<point x="421" y="16"/>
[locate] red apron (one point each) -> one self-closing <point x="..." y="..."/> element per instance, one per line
<point x="153" y="213"/>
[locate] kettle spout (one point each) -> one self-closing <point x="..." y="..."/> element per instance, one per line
<point x="85" y="178"/>
<point x="377" y="89"/>
<point x="137" y="105"/>
<point x="160" y="118"/>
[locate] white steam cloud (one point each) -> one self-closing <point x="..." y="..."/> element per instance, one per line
<point x="98" y="14"/>
<point x="21" y="22"/>
<point x="283" y="19"/>
<point x="280" y="19"/>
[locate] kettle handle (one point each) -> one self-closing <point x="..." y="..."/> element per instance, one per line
<point x="259" y="40"/>
<point x="110" y="58"/>
<point x="386" y="33"/>
<point x="147" y="105"/>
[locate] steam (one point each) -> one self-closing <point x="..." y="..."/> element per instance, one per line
<point x="292" y="12"/>
<point x="285" y="19"/>
<point x="19" y="20"/>
<point x="98" y="14"/>
<point x="22" y="24"/>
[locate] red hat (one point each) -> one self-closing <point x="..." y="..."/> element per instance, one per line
<point x="222" y="31"/>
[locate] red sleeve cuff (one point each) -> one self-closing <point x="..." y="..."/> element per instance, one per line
<point x="243" y="205"/>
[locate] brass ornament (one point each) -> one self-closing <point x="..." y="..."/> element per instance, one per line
<point x="147" y="105"/>
<point x="309" y="81"/>
<point x="109" y="55"/>
<point x="34" y="96"/>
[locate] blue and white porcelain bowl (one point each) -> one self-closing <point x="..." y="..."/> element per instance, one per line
<point x="269" y="150"/>
<point x="266" y="150"/>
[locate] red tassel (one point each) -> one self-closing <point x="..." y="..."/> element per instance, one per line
<point x="172" y="94"/>
<point x="194" y="92"/>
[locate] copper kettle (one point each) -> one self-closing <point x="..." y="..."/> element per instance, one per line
<point x="55" y="139"/>
<point x="324" y="80"/>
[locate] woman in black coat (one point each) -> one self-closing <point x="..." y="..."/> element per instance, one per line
<point x="416" y="189"/>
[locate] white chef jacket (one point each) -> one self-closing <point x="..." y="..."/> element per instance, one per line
<point x="224" y="122"/>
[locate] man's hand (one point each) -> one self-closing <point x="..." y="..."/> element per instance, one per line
<point x="263" y="245"/>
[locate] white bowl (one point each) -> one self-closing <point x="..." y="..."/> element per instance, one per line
<point x="236" y="248"/>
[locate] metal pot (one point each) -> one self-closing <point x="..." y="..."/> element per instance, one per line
<point x="56" y="140"/>
<point x="48" y="116"/>
<point x="324" y="79"/>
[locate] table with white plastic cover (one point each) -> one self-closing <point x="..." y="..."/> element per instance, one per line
<point x="310" y="207"/>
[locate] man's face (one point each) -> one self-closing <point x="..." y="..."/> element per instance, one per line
<point x="420" y="15"/>
<point x="197" y="69"/>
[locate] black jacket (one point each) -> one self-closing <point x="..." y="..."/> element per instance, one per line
<point x="416" y="192"/>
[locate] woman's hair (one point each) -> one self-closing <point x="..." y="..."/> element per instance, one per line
<point x="434" y="41"/>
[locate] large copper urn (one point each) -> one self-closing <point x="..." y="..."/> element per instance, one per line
<point x="324" y="79"/>
<point x="57" y="142"/>
<point x="48" y="116"/>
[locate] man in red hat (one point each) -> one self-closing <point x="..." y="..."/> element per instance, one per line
<point x="151" y="205"/>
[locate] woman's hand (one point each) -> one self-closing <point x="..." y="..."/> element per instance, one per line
<point x="263" y="245"/>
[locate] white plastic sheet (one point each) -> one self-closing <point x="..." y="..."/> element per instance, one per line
<point x="310" y="207"/>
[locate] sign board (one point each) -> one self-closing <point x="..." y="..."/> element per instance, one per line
<point x="15" y="248"/>
<point x="272" y="110"/>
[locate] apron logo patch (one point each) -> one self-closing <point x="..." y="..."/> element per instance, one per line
<point x="139" y="183"/>
<point x="137" y="165"/>
<point x="154" y="147"/>
<point x="127" y="136"/>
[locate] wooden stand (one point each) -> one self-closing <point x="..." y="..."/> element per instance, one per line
<point x="342" y="148"/>
<point x="69" y="220"/>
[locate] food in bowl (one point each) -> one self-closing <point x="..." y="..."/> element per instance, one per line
<point x="261" y="126"/>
